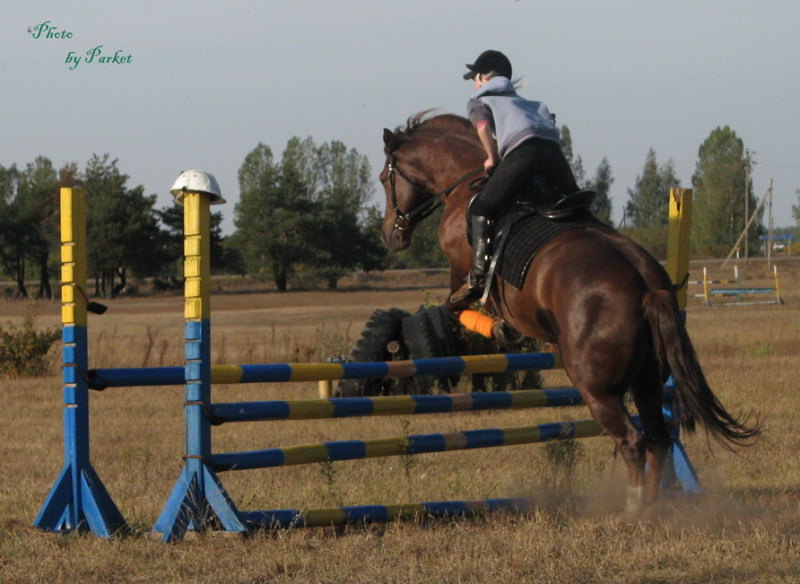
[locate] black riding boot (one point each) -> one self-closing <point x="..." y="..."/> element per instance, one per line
<point x="472" y="290"/>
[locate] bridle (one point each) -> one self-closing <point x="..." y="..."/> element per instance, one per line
<point x="402" y="219"/>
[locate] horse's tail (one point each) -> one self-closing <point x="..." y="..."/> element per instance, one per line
<point x="694" y="397"/>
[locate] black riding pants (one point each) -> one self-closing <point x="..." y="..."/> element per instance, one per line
<point x="512" y="175"/>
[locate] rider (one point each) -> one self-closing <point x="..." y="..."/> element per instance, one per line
<point x="521" y="140"/>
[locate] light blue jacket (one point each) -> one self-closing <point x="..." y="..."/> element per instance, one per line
<point x="514" y="119"/>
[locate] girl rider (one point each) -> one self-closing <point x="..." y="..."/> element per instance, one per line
<point x="521" y="140"/>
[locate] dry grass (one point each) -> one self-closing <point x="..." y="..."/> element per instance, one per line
<point x="744" y="528"/>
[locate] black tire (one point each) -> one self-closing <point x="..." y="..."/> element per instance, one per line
<point x="445" y="325"/>
<point x="422" y="342"/>
<point x="381" y="328"/>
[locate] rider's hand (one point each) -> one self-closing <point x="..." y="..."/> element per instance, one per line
<point x="489" y="164"/>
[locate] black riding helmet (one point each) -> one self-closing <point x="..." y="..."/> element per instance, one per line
<point x="489" y="62"/>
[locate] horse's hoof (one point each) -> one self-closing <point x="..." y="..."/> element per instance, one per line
<point x="504" y="335"/>
<point x="462" y="298"/>
<point x="635" y="501"/>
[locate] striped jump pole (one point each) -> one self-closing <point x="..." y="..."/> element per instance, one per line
<point x="78" y="499"/>
<point x="277" y="372"/>
<point x="399" y="405"/>
<point x="403" y="445"/>
<point x="287" y="518"/>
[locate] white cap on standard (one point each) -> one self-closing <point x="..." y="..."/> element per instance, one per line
<point x="197" y="181"/>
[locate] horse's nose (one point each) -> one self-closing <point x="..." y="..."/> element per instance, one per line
<point x="393" y="239"/>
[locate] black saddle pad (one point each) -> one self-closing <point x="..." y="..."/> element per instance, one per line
<point x="526" y="234"/>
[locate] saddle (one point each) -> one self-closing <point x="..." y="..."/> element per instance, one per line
<point x="570" y="205"/>
<point x="538" y="200"/>
<point x="526" y="226"/>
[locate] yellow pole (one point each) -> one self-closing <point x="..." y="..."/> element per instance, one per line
<point x="73" y="257"/>
<point x="680" y="217"/>
<point x="197" y="252"/>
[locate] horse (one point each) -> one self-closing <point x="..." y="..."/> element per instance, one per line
<point x="606" y="302"/>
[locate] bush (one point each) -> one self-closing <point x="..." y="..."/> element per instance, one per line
<point x="23" y="351"/>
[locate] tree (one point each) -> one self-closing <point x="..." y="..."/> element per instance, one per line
<point x="122" y="227"/>
<point x="28" y="222"/>
<point x="575" y="163"/>
<point x="721" y="188"/>
<point x="272" y="214"/>
<point x="306" y="211"/>
<point x="12" y="232"/>
<point x="646" y="213"/>
<point x="37" y="214"/>
<point x="796" y="208"/>
<point x="345" y="240"/>
<point x="601" y="184"/>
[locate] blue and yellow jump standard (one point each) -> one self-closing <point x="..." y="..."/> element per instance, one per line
<point x="78" y="499"/>
<point x="198" y="499"/>
<point x="680" y="468"/>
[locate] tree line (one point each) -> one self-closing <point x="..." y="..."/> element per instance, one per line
<point x="126" y="234"/>
<point x="308" y="214"/>
<point x="309" y="210"/>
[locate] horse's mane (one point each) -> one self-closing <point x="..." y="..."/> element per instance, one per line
<point x="440" y="123"/>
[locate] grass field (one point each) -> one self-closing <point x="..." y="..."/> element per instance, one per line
<point x="744" y="527"/>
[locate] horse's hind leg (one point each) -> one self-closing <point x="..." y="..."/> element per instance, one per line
<point x="648" y="395"/>
<point x="609" y="411"/>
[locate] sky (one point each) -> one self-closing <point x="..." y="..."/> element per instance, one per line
<point x="199" y="84"/>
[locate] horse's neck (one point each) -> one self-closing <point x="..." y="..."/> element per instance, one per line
<point x="445" y="157"/>
<point x="452" y="159"/>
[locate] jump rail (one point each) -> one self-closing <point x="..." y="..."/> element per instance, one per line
<point x="741" y="296"/>
<point x="276" y="372"/>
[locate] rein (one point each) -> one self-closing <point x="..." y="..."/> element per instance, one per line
<point x="403" y="219"/>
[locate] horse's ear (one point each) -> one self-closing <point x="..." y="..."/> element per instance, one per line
<point x="389" y="138"/>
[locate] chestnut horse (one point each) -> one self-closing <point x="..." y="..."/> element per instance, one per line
<point x="607" y="303"/>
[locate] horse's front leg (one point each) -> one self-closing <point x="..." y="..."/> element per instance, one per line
<point x="457" y="278"/>
<point x="459" y="271"/>
<point x="455" y="284"/>
<point x="453" y="242"/>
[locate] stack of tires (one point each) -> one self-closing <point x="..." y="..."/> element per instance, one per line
<point x="397" y="335"/>
<point x="394" y="334"/>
